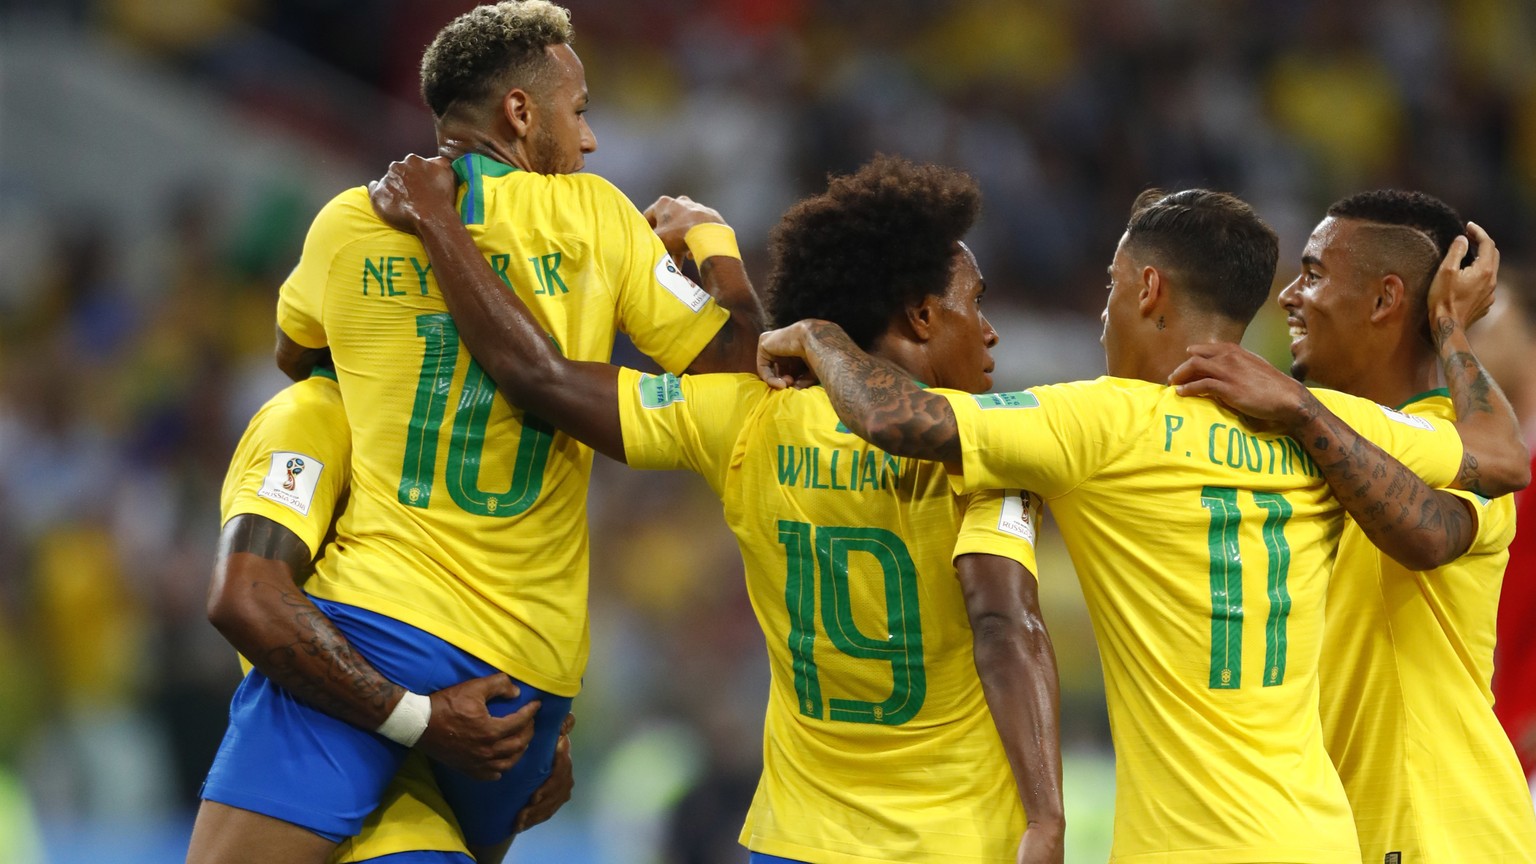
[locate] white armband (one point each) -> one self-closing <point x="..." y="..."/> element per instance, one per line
<point x="409" y="719"/>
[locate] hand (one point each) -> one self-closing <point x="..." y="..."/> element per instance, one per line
<point x="782" y="355"/>
<point x="672" y="217"/>
<point x="556" y="790"/>
<point x="1461" y="295"/>
<point x="465" y="736"/>
<point x="1245" y="383"/>
<point x="1043" y="843"/>
<point x="412" y="189"/>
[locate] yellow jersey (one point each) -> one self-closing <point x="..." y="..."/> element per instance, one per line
<point x="877" y="744"/>
<point x="1180" y="519"/>
<point x="1406" y="699"/>
<point x="291" y="467"/>
<point x="468" y="517"/>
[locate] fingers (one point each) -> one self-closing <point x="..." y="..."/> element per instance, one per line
<point x="500" y="686"/>
<point x="1209" y="387"/>
<point x="567" y="724"/>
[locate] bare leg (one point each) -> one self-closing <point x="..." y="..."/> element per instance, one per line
<point x="228" y="835"/>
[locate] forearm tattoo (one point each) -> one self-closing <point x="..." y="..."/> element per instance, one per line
<point x="880" y="403"/>
<point x="303" y="653"/>
<point x="1391" y="504"/>
<point x="319" y="666"/>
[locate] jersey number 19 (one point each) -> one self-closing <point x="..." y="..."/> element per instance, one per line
<point x="811" y="547"/>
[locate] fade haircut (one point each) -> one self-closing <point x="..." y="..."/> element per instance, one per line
<point x="1406" y="233"/>
<point x="491" y="49"/>
<point x="875" y="242"/>
<point x="1218" y="248"/>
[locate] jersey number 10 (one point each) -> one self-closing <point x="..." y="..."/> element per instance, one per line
<point x="1227" y="585"/>
<point x="808" y="546"/>
<point x="467" y="440"/>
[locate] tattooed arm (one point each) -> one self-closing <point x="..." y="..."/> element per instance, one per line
<point x="1496" y="461"/>
<point x="1421" y="528"/>
<point x="255" y="602"/>
<point x="879" y="402"/>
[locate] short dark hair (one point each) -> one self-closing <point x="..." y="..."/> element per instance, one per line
<point x="1221" y="251"/>
<point x="876" y="241"/>
<point x="1424" y="213"/>
<point x="491" y="48"/>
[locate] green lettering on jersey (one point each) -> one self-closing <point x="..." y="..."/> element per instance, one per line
<point x="1171" y="424"/>
<point x="789" y="467"/>
<point x="376" y="270"/>
<point x="500" y="263"/>
<point x="547" y="269"/>
<point x="391" y="271"/>
<point x="1226" y="575"/>
<point x="421" y="275"/>
<point x="902" y="648"/>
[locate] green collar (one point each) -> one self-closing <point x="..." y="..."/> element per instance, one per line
<point x="1438" y="391"/>
<point x="471" y="164"/>
<point x="322" y="372"/>
<point x="472" y="169"/>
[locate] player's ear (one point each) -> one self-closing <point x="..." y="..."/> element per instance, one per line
<point x="921" y="316"/>
<point x="1391" y="294"/>
<point x="1151" y="291"/>
<point x="518" y="108"/>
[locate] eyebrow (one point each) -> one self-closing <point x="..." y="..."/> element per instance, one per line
<point x="1311" y="260"/>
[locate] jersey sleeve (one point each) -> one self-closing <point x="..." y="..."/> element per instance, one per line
<point x="1000" y="522"/>
<point x="1046" y="439"/>
<point x="690" y="422"/>
<point x="291" y="466"/>
<point x="301" y="299"/>
<point x="667" y="315"/>
<point x="1495" y="522"/>
<point x="1428" y="446"/>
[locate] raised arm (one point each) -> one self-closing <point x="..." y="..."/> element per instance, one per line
<point x="1421" y="528"/>
<point x="877" y="401"/>
<point x="255" y="603"/>
<point x="417" y="196"/>
<point x="1017" y="666"/>
<point x="690" y="230"/>
<point x="1496" y="461"/>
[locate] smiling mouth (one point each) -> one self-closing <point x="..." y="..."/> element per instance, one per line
<point x="1298" y="329"/>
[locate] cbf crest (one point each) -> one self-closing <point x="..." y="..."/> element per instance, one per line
<point x="291" y="480"/>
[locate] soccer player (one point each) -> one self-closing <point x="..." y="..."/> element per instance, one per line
<point x="1203" y="537"/>
<point x="895" y="615"/>
<point x="1406" y="702"/>
<point x="463" y="549"/>
<point x="285" y="485"/>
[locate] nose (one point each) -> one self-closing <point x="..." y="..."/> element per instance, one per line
<point x="588" y="139"/>
<point x="988" y="334"/>
<point x="1290" y="296"/>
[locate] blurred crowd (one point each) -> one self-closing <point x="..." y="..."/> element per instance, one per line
<point x="131" y="359"/>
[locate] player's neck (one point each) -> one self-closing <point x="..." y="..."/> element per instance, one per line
<point x="457" y="137"/>
<point x="1170" y="346"/>
<point x="905" y="355"/>
<point x="1394" y="377"/>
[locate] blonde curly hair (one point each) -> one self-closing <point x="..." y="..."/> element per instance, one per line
<point x="490" y="49"/>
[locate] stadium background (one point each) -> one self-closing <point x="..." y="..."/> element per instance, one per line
<point x="159" y="163"/>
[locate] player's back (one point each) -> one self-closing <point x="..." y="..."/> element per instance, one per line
<point x="878" y="744"/>
<point x="1204" y="548"/>
<point x="468" y="517"/>
<point x="1406" y="701"/>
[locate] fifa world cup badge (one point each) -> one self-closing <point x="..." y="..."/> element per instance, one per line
<point x="295" y="467"/>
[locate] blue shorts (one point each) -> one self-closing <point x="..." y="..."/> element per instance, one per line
<point x="285" y="759"/>
<point x="760" y="858"/>
<point x="421" y="858"/>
